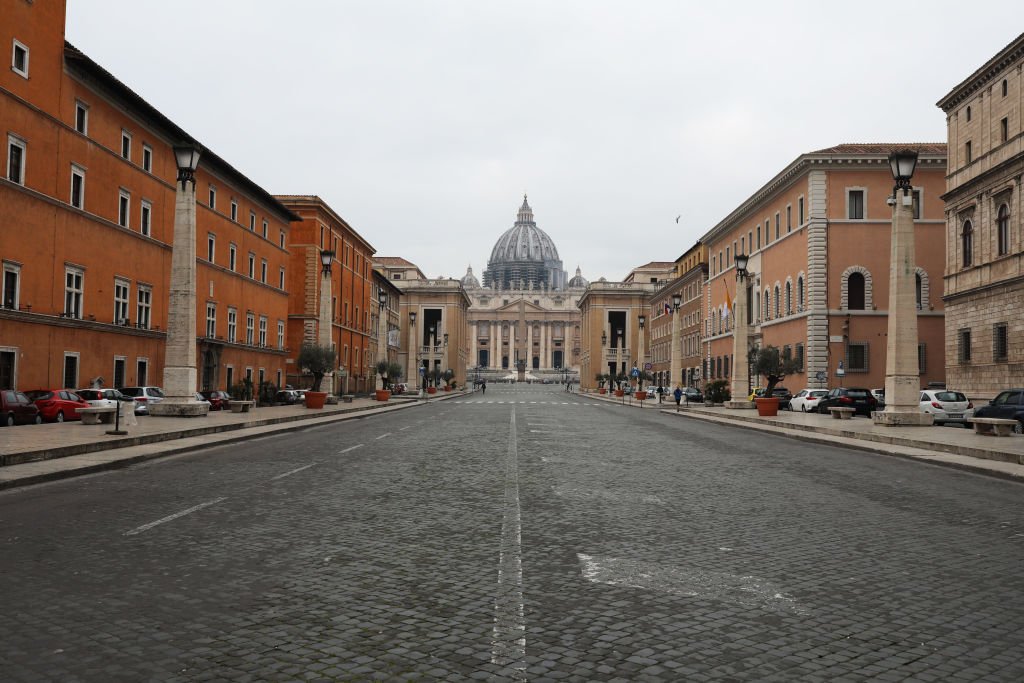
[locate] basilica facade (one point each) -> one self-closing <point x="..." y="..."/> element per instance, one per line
<point x="524" y="316"/>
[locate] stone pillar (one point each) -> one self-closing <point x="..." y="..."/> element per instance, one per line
<point x="545" y="339"/>
<point x="529" y="346"/>
<point x="382" y="342"/>
<point x="474" y="356"/>
<point x="640" y="355"/>
<point x="180" y="373"/>
<point x="675" y="363"/>
<point x="495" y="345"/>
<point x="413" y="373"/>
<point x="740" y="342"/>
<point x="902" y="381"/>
<point x="325" y="326"/>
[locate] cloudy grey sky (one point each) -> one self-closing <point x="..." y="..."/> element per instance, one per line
<point x="423" y="122"/>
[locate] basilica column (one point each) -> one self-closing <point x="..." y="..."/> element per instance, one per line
<point x="473" y="355"/>
<point x="511" y="345"/>
<point x="529" y="346"/>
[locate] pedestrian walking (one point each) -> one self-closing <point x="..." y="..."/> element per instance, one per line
<point x="678" y="394"/>
<point x="483" y="387"/>
<point x="661" y="394"/>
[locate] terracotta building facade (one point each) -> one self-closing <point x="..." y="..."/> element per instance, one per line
<point x="87" y="209"/>
<point x="692" y="270"/>
<point x="817" y="236"/>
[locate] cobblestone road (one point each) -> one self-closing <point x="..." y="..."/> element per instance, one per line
<point x="527" y="534"/>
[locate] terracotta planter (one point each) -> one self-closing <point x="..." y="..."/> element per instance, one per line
<point x="767" y="407"/>
<point x="619" y="393"/>
<point x="383" y="394"/>
<point x="316" y="399"/>
<point x="641" y="395"/>
<point x="447" y="388"/>
<point x="431" y="390"/>
<point x="602" y="390"/>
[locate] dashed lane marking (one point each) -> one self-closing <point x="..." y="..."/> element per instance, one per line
<point x="378" y="438"/>
<point x="176" y="515"/>
<point x="508" y="640"/>
<point x="350" y="448"/>
<point x="297" y="469"/>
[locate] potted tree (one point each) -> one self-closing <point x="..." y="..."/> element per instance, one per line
<point x="619" y="380"/>
<point x="434" y="376"/>
<point x="382" y="367"/>
<point x="601" y="378"/>
<point x="449" y="377"/>
<point x="641" y="382"/>
<point x="395" y="373"/>
<point x="774" y="367"/>
<point x="317" y="361"/>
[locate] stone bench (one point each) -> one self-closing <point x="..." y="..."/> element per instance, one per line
<point x="94" y="416"/>
<point x="992" y="426"/>
<point x="841" y="413"/>
<point x="347" y="398"/>
<point x="241" y="406"/>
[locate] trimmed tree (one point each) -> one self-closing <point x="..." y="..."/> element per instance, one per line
<point x="394" y="374"/>
<point x="317" y="361"/>
<point x="770" y="363"/>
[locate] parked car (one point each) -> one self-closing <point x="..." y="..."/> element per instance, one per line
<point x="17" y="409"/>
<point x="691" y="395"/>
<point x="806" y="401"/>
<point x="757" y="393"/>
<point x="202" y="399"/>
<point x="144" y="397"/>
<point x="784" y="395"/>
<point x="858" y="398"/>
<point x="1007" y="405"/>
<point x="101" y="398"/>
<point x="946" y="407"/>
<point x="288" y="397"/>
<point x="57" y="405"/>
<point x="218" y="399"/>
<point x="879" y="395"/>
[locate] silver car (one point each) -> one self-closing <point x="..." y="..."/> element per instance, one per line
<point x="946" y="407"/>
<point x="144" y="397"/>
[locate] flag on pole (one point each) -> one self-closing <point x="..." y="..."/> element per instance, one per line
<point x="728" y="299"/>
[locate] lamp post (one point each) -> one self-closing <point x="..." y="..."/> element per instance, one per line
<point x="740" y="339"/>
<point x="642" y="320"/>
<point x="676" y="362"/>
<point x="325" y="333"/>
<point x="414" y="350"/>
<point x="902" y="379"/>
<point x="180" y="374"/>
<point x="618" y="351"/>
<point x="382" y="342"/>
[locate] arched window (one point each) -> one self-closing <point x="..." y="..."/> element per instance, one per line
<point x="777" y="306"/>
<point x="1003" y="230"/>
<point x="789" y="297"/>
<point x="757" y="302"/>
<point x="855" y="292"/>
<point x="800" y="293"/>
<point x="967" y="244"/>
<point x="917" y="290"/>
<point x="767" y="305"/>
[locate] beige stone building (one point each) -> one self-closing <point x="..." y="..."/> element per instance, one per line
<point x="984" y="271"/>
<point x="386" y="321"/>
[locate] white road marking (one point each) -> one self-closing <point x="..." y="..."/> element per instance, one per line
<point x="168" y="518"/>
<point x="541" y="431"/>
<point x="382" y="436"/>
<point x="748" y="591"/>
<point x="402" y="429"/>
<point x="297" y="469"/>
<point x="350" y="448"/>
<point x="508" y="640"/>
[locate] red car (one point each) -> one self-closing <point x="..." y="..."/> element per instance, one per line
<point x="218" y="399"/>
<point x="57" y="405"/>
<point x="17" y="409"/>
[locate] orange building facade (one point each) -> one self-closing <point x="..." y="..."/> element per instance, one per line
<point x="87" y="211"/>
<point x="353" y="294"/>
<point x="818" y="238"/>
<point x="691" y="274"/>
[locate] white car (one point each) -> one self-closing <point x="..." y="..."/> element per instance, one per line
<point x="807" y="400"/>
<point x="101" y="398"/>
<point x="946" y="407"/>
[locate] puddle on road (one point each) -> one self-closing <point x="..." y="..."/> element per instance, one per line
<point x="748" y="591"/>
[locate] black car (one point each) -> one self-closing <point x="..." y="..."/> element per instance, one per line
<point x="858" y="398"/>
<point x="692" y="395"/>
<point x="784" y="395"/>
<point x="1008" y="405"/>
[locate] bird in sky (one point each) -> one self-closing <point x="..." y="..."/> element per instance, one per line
<point x="678" y="217"/>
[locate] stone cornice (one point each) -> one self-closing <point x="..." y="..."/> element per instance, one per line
<point x="988" y="71"/>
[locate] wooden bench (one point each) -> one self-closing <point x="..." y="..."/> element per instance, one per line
<point x="992" y="426"/>
<point x="94" y="416"/>
<point x="347" y="398"/>
<point x="241" y="406"/>
<point x="841" y="413"/>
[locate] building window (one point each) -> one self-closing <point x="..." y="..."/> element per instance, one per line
<point x="758" y="235"/>
<point x="280" y="334"/>
<point x="232" y="324"/>
<point x="232" y="256"/>
<point x="280" y="278"/>
<point x="767" y="304"/>
<point x="77" y="187"/>
<point x="250" y="324"/>
<point x="123" y="206"/>
<point x="252" y="265"/>
<point x="800" y="210"/>
<point x="967" y="245"/>
<point x="968" y="156"/>
<point x="234" y="210"/>
<point x="70" y="370"/>
<point x="15" y="160"/>
<point x="800" y="293"/>
<point x="1000" y="350"/>
<point x="81" y="118"/>
<point x="121" y="292"/>
<point x="147" y="158"/>
<point x="767" y="234"/>
<point x="19" y="59"/>
<point x="778" y="224"/>
<point x="144" y="307"/>
<point x="126" y="144"/>
<point x="968" y="112"/>
<point x="918" y="290"/>
<point x="922" y="358"/>
<point x="11" y="281"/>
<point x="263" y="271"/>
<point x="74" y="279"/>
<point x="789" y="297"/>
<point x="857" y="357"/>
<point x="211" y="320"/>
<point x="252" y="221"/>
<point x="1004" y="129"/>
<point x="280" y="239"/>
<point x="855" y="204"/>
<point x="778" y="307"/>
<point x="265" y="226"/>
<point x="213" y="197"/>
<point x="916" y="196"/>
<point x="263" y="330"/>
<point x="211" y="246"/>
<point x="145" y="217"/>
<point x="800" y="356"/>
<point x="856" y="290"/>
<point x="963" y="346"/>
<point x="789" y="219"/>
<point x="1003" y="230"/>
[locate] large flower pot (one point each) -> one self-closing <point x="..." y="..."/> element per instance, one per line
<point x="602" y="390"/>
<point x="447" y="387"/>
<point x="431" y="390"/>
<point x="316" y="399"/>
<point x="767" y="407"/>
<point x="619" y="393"/>
<point x="641" y="395"/>
<point x="383" y="394"/>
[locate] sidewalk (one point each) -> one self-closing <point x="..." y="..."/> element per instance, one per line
<point x="31" y="454"/>
<point x="948" y="446"/>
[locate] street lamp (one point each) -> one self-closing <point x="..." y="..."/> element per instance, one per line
<point x="325" y="333"/>
<point x="382" y="342"/>
<point x="180" y="370"/>
<point x="675" y="369"/>
<point x="642" y="320"/>
<point x="740" y="337"/>
<point x="902" y="381"/>
<point x="618" y="352"/>
<point x="415" y="369"/>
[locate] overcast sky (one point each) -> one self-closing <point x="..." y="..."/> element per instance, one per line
<point x="422" y="123"/>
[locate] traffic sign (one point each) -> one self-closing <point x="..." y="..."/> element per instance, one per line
<point x="820" y="376"/>
<point x="647" y="366"/>
<point x="421" y="372"/>
<point x="635" y="372"/>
